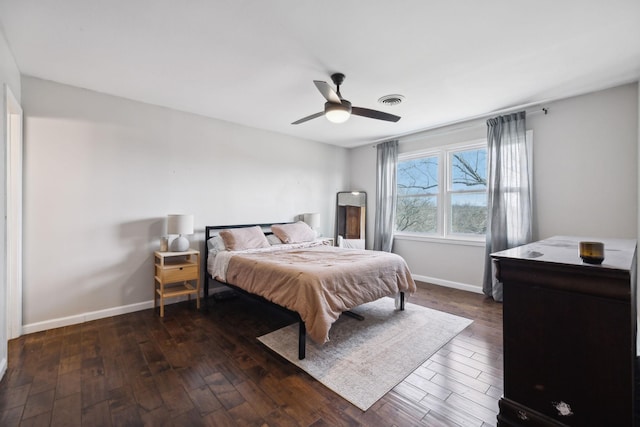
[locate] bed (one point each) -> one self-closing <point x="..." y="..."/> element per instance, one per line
<point x="285" y="265"/>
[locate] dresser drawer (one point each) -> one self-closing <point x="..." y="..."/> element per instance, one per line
<point x="178" y="273"/>
<point x="514" y="414"/>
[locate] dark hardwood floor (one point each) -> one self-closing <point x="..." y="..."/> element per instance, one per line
<point x="206" y="368"/>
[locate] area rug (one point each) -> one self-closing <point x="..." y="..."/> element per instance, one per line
<point x="365" y="359"/>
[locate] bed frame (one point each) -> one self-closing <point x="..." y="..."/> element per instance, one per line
<point x="212" y="230"/>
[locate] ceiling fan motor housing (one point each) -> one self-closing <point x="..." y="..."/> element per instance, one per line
<point x="345" y="106"/>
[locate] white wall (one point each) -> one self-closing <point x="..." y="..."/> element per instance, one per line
<point x="585" y="179"/>
<point x="102" y="173"/>
<point x="585" y="164"/>
<point x="10" y="76"/>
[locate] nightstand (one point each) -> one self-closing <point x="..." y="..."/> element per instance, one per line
<point x="176" y="274"/>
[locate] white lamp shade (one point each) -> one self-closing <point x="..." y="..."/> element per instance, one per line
<point x="312" y="220"/>
<point x="180" y="224"/>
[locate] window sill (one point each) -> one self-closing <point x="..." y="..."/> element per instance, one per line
<point x="441" y="240"/>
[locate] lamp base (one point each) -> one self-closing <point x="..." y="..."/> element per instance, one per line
<point x="180" y="244"/>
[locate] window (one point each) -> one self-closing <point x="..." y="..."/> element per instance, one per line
<point x="443" y="192"/>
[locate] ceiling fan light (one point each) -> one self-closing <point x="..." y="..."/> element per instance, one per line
<point x="337" y="113"/>
<point x="337" y="116"/>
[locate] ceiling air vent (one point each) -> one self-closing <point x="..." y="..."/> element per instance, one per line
<point x="391" y="100"/>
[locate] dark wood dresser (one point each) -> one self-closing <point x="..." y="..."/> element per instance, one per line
<point x="569" y="334"/>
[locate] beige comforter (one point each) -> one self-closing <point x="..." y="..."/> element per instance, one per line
<point x="320" y="282"/>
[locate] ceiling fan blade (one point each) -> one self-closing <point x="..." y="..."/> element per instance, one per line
<point x="374" y="114"/>
<point x="327" y="91"/>
<point x="304" y="119"/>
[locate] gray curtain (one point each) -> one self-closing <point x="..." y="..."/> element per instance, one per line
<point x="387" y="165"/>
<point x="509" y="198"/>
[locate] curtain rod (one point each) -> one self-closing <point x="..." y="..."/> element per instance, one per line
<point x="467" y="122"/>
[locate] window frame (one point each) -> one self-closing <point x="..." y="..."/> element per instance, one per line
<point x="438" y="195"/>
<point x="443" y="232"/>
<point x="449" y="191"/>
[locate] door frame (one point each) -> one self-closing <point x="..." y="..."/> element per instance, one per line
<point x="13" y="212"/>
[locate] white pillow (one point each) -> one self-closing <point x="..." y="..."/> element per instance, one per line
<point x="273" y="239"/>
<point x="216" y="244"/>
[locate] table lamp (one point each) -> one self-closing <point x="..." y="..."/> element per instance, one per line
<point x="180" y="224"/>
<point x="312" y="220"/>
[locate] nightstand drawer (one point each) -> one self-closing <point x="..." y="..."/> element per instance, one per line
<point x="177" y="273"/>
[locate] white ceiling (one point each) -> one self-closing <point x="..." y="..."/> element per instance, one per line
<point x="253" y="62"/>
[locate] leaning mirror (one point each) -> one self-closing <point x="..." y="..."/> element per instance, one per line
<point x="351" y="219"/>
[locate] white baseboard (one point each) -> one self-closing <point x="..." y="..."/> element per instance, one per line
<point x="84" y="317"/>
<point x="448" y="283"/>
<point x="92" y="315"/>
<point x="124" y="309"/>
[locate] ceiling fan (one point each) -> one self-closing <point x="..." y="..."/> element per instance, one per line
<point x="338" y="109"/>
